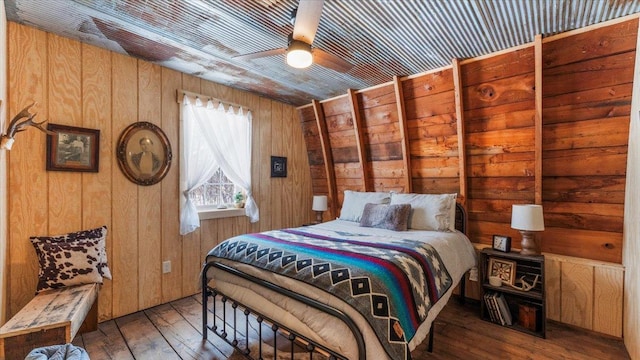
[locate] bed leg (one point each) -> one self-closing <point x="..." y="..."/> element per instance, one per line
<point x="431" y="331"/>
<point x="463" y="283"/>
<point x="205" y="298"/>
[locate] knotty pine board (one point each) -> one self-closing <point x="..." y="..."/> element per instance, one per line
<point x="124" y="230"/>
<point x="64" y="90"/>
<point x="96" y="189"/>
<point x="172" y="248"/>
<point x="191" y="242"/>
<point x="28" y="184"/>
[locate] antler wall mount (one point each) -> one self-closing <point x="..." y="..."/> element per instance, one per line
<point x="16" y="126"/>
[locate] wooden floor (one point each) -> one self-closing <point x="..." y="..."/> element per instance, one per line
<point x="172" y="331"/>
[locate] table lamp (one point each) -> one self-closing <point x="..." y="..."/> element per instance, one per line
<point x="528" y="219"/>
<point x="319" y="205"/>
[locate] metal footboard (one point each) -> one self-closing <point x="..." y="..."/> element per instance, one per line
<point x="228" y="328"/>
<point x="293" y="337"/>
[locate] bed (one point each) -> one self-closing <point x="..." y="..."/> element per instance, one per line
<point x="340" y="289"/>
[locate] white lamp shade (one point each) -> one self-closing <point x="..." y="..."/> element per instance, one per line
<point x="319" y="203"/>
<point x="527" y="217"/>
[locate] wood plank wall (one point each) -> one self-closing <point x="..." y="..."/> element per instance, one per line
<point x="586" y="97"/>
<point x="481" y="128"/>
<point x="81" y="85"/>
<point x="631" y="231"/>
<point x="3" y="165"/>
<point x="588" y="80"/>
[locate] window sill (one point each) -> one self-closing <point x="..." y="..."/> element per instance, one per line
<point x="206" y="213"/>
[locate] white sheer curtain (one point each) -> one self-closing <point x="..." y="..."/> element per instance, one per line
<point x="214" y="137"/>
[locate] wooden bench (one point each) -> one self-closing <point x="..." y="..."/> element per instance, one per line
<point x="51" y="318"/>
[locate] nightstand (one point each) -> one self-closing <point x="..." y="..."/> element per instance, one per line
<point x="505" y="305"/>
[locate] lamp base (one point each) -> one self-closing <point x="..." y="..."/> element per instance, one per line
<point x="318" y="217"/>
<point x="528" y="243"/>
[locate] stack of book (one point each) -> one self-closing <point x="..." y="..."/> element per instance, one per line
<point x="498" y="308"/>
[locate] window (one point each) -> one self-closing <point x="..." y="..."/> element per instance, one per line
<point x="218" y="190"/>
<point x="215" y="162"/>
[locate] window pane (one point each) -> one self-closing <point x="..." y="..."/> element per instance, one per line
<point x="217" y="190"/>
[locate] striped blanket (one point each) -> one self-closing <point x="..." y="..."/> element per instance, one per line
<point x="392" y="282"/>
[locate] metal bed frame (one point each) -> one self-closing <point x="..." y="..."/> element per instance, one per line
<point x="227" y="329"/>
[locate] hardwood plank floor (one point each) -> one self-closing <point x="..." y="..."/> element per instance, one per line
<point x="172" y="331"/>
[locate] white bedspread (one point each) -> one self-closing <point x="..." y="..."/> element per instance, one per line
<point x="454" y="248"/>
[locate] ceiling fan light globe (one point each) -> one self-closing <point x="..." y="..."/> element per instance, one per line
<point x="299" y="59"/>
<point x="299" y="54"/>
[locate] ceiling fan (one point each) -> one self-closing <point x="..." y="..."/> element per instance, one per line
<point x="299" y="51"/>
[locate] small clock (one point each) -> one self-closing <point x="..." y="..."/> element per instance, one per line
<point x="502" y="243"/>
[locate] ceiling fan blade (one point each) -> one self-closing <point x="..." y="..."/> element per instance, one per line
<point x="260" y="54"/>
<point x="307" y="20"/>
<point x="330" y="61"/>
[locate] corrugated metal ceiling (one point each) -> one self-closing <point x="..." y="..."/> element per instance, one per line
<point x="380" y="38"/>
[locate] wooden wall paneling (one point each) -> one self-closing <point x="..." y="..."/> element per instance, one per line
<point x="606" y="161"/>
<point x="631" y="329"/>
<point x="28" y="181"/>
<point x="538" y="119"/>
<point x="96" y="187"/>
<point x="552" y="273"/>
<point x="149" y="197"/>
<point x="342" y="144"/>
<point x="608" y="305"/>
<point x="585" y="216"/>
<point x="210" y="240"/>
<point x="253" y="102"/>
<point x="602" y="41"/>
<point x="172" y="242"/>
<point x="359" y="136"/>
<point x="585" y="136"/>
<point x="217" y="91"/>
<point x="462" y="162"/>
<point x="277" y="149"/>
<point x="588" y="244"/>
<point x="577" y="294"/>
<point x="499" y="106"/>
<point x="382" y="139"/>
<point x="327" y="157"/>
<point x="124" y="109"/>
<point x="302" y="182"/>
<point x="65" y="107"/>
<point x="485" y="69"/>
<point x="432" y="127"/>
<point x="595" y="286"/>
<point x="404" y="133"/>
<point x="289" y="208"/>
<point x="263" y="120"/>
<point x="191" y="243"/>
<point x="225" y="229"/>
<point x="4" y="86"/>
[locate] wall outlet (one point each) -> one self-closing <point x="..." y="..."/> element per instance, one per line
<point x="166" y="267"/>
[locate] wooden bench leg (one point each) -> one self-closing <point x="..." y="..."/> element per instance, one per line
<point x="90" y="323"/>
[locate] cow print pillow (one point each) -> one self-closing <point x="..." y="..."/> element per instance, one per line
<point x="71" y="259"/>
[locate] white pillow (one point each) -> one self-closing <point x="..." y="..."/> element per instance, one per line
<point x="354" y="202"/>
<point x="435" y="212"/>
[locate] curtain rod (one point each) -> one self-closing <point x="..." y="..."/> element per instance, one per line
<point x="181" y="93"/>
